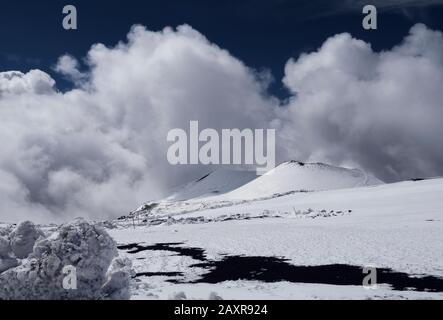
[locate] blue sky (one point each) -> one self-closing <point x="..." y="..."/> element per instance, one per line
<point x="263" y="34"/>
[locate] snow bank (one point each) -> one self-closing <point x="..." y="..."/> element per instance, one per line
<point x="80" y="246"/>
<point x="117" y="279"/>
<point x="7" y="260"/>
<point x="217" y="182"/>
<point x="5" y="230"/>
<point x="23" y="238"/>
<point x="298" y="176"/>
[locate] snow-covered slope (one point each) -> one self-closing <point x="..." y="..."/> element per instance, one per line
<point x="298" y="176"/>
<point x="397" y="226"/>
<point x="217" y="182"/>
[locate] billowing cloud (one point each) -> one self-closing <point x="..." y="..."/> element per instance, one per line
<point x="68" y="66"/>
<point x="33" y="82"/>
<point x="380" y="111"/>
<point x="99" y="150"/>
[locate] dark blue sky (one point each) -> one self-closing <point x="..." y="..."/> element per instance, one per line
<point x="263" y="34"/>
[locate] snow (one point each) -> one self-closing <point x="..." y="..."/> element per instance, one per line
<point x="7" y="260"/>
<point x="256" y="290"/>
<point x="87" y="248"/>
<point x="303" y="214"/>
<point x="397" y="226"/>
<point x="5" y="229"/>
<point x="23" y="237"/>
<point x="118" y="279"/>
<point x="297" y="176"/>
<point x="219" y="189"/>
<point x="216" y="182"/>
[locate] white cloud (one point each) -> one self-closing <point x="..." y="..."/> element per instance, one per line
<point x="68" y="66"/>
<point x="381" y="111"/>
<point x="100" y="149"/>
<point x="35" y="81"/>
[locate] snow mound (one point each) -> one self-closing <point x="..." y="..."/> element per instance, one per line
<point x="23" y="238"/>
<point x="298" y="176"/>
<point x="118" y="279"/>
<point x="5" y="230"/>
<point x="7" y="260"/>
<point x="214" y="183"/>
<point x="82" y="247"/>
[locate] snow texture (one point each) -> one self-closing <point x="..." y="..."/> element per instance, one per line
<point x="217" y="182"/>
<point x="395" y="225"/>
<point x="41" y="275"/>
<point x="7" y="259"/>
<point x="298" y="176"/>
<point x="118" y="279"/>
<point x="23" y="238"/>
